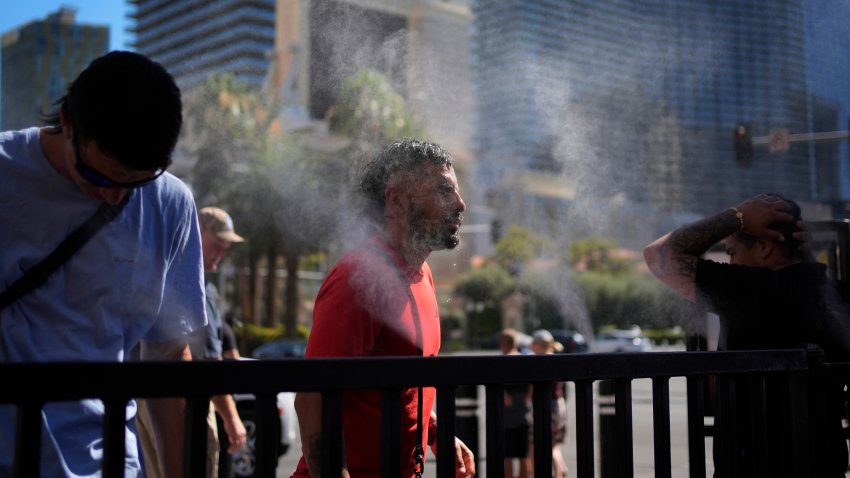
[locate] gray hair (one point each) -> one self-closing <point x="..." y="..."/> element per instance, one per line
<point x="399" y="157"/>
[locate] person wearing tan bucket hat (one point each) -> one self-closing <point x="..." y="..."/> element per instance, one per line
<point x="217" y="235"/>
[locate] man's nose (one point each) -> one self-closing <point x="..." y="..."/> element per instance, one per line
<point x="111" y="196"/>
<point x="461" y="203"/>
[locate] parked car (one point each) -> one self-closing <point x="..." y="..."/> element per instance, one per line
<point x="621" y="341"/>
<point x="279" y="349"/>
<point x="572" y="341"/>
<point x="245" y="461"/>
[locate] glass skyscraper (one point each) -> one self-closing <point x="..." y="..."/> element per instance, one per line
<point x="828" y="77"/>
<point x="639" y="100"/>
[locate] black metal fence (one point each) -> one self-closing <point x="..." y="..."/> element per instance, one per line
<point x="30" y="386"/>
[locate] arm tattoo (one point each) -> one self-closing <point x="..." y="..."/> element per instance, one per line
<point x="314" y="461"/>
<point x="687" y="267"/>
<point x="686" y="244"/>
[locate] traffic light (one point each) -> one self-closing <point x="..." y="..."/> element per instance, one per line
<point x="743" y="144"/>
<point x="495" y="230"/>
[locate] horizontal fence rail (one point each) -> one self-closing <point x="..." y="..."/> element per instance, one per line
<point x="117" y="383"/>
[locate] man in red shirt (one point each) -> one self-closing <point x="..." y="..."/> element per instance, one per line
<point x="380" y="300"/>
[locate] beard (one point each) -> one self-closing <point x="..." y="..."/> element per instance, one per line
<point x="434" y="236"/>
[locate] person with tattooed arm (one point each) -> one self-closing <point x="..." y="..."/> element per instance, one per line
<point x="771" y="295"/>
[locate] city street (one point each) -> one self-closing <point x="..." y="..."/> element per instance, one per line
<point x="642" y="423"/>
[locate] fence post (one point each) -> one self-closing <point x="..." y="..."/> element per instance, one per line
<point x="819" y="439"/>
<point x="267" y="435"/>
<point x="466" y="417"/>
<point x="607" y="430"/>
<point x="697" y="430"/>
<point x="27" y="439"/>
<point x="195" y="448"/>
<point x="495" y="434"/>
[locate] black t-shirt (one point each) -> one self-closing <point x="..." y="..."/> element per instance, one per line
<point x="760" y="308"/>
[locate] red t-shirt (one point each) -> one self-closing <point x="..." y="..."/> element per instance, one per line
<point x="363" y="309"/>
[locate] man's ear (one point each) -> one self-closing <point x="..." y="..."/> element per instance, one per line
<point x="393" y="201"/>
<point x="65" y="122"/>
<point x="766" y="249"/>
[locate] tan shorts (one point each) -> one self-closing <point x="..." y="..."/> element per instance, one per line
<point x="150" y="450"/>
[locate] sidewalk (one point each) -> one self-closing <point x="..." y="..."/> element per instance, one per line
<point x="643" y="455"/>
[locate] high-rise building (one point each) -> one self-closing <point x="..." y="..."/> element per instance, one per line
<point x="827" y="74"/>
<point x="39" y="59"/>
<point x="421" y="46"/>
<point x="637" y="102"/>
<point x="193" y="39"/>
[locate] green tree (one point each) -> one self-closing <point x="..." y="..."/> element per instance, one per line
<point x="519" y="246"/>
<point x="370" y="112"/>
<point x="301" y="211"/>
<point x="482" y="289"/>
<point x="552" y="300"/>
<point x="268" y="180"/>
<point x="615" y="293"/>
<point x="221" y="130"/>
<point x="596" y="254"/>
<point x="622" y="300"/>
<point x="487" y="283"/>
<point x="226" y="130"/>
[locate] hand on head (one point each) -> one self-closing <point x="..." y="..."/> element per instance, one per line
<point x="761" y="211"/>
<point x="803" y="236"/>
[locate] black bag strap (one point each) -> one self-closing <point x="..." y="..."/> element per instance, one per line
<point x="37" y="275"/>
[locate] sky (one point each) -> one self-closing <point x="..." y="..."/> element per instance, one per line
<point x="112" y="13"/>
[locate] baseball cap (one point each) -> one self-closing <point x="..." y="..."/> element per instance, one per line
<point x="542" y="336"/>
<point x="545" y="337"/>
<point x="217" y="220"/>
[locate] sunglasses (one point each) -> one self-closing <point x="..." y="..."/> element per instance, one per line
<point x="95" y="178"/>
